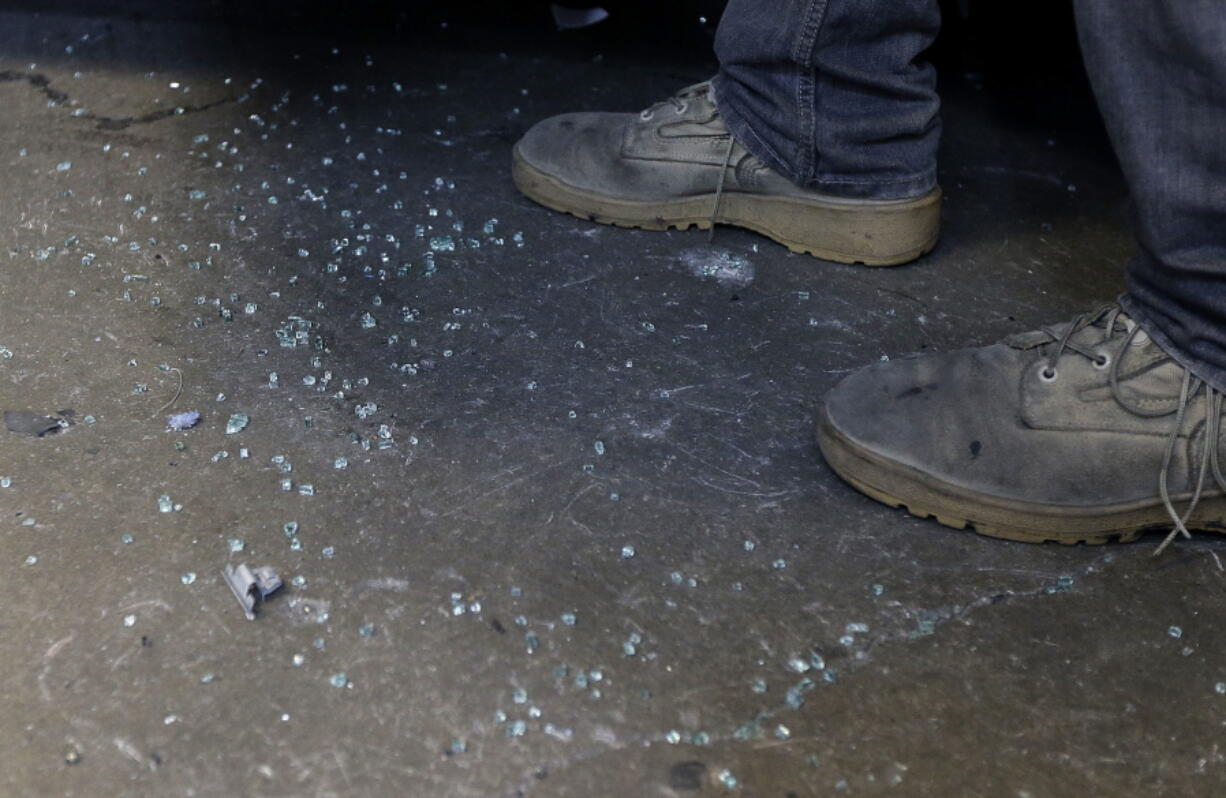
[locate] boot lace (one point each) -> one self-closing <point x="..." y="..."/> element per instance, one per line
<point x="1191" y="388"/>
<point x="680" y="105"/>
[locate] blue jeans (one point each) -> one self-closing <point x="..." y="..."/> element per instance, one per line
<point x="835" y="95"/>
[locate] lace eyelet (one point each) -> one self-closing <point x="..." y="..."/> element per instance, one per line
<point x="681" y="109"/>
<point x="646" y="116"/>
<point x="1047" y="374"/>
<point x="1103" y="360"/>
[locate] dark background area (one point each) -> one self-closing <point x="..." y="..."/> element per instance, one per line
<point x="1014" y="43"/>
<point x="1024" y="57"/>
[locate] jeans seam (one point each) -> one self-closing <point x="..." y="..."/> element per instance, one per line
<point x="806" y="85"/>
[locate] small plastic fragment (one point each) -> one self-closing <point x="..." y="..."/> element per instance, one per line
<point x="237" y="423"/>
<point x="251" y="586"/>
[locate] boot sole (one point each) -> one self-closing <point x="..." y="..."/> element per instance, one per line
<point x="898" y="485"/>
<point x="869" y="233"/>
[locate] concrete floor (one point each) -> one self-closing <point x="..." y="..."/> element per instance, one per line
<point x="559" y="391"/>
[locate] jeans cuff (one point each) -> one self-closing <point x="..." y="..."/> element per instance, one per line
<point x="849" y="188"/>
<point x="1213" y="376"/>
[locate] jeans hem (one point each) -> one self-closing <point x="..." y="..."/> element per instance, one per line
<point x="1213" y="376"/>
<point x="846" y="187"/>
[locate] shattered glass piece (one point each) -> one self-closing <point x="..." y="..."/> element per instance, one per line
<point x="6" y="482"/>
<point x="298" y="660"/>
<point x="236" y="544"/>
<point x="628" y="552"/>
<point x="747" y="732"/>
<point x="237" y="423"/>
<point x="306" y="489"/>
<point x="568" y="618"/>
<point x="328" y="552"/>
<point x="129" y="620"/>
<point x="188" y="578"/>
<point x="782" y="732"/>
<point x="599" y="447"/>
<point x="165" y="505"/>
<point x="795" y="697"/>
<point x="672" y="736"/>
<point x="31" y="560"/>
<point x="517" y="728"/>
<point x="749" y="545"/>
<point x="520" y="696"/>
<point x="367" y="630"/>
<point x="340" y="463"/>
<point x="779" y="564"/>
<point x="458" y="746"/>
<point x="1220" y="688"/>
<point x="1175" y="632"/>
<point x="758" y="686"/>
<point x="442" y="244"/>
<point x="339" y="679"/>
<point x="799" y="665"/>
<point x="701" y="738"/>
<point x="365" y="410"/>
<point x="127" y="538"/>
<point x="208" y="678"/>
<point x="290" y="528"/>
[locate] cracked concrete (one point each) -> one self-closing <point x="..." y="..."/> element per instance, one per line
<point x="567" y="532"/>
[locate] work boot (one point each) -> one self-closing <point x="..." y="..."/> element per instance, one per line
<point x="676" y="165"/>
<point x="1082" y="432"/>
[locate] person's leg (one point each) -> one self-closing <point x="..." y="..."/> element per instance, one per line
<point x="831" y="151"/>
<point x="1159" y="72"/>
<point x="1112" y="424"/>
<point x="834" y="94"/>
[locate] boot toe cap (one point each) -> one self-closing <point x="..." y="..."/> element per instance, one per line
<point x="577" y="148"/>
